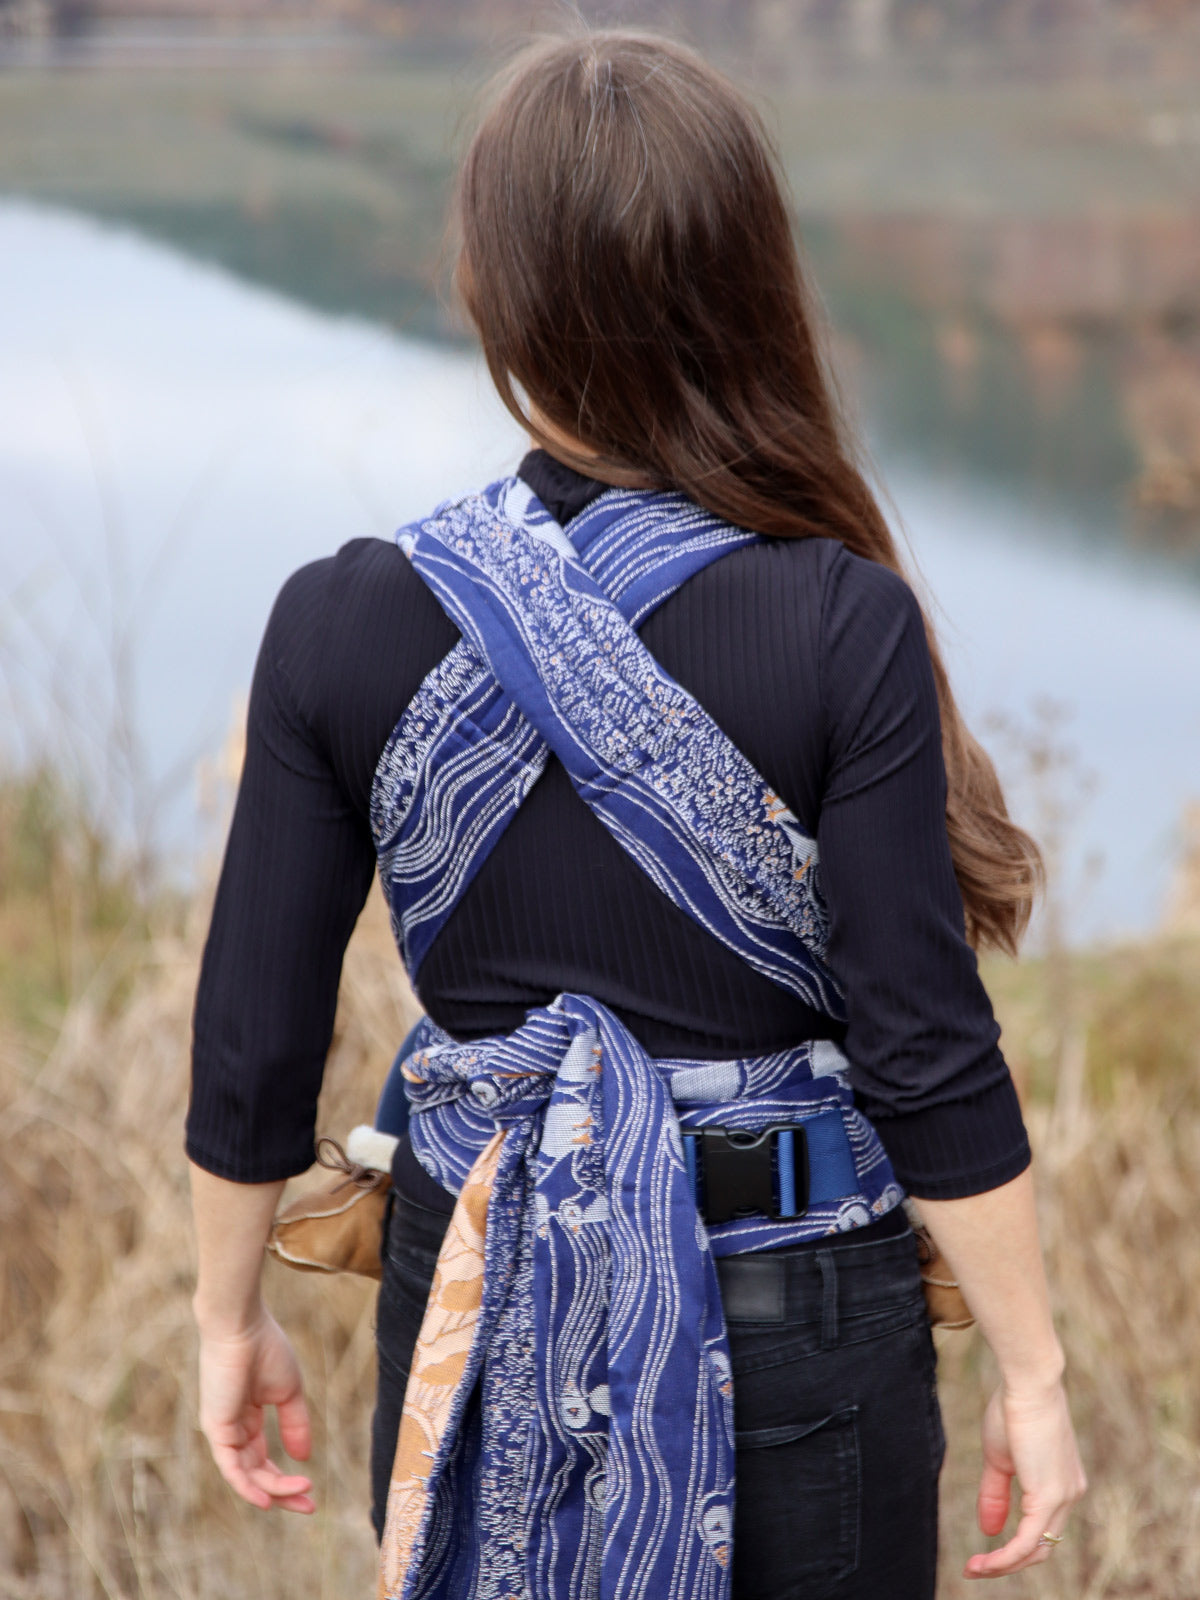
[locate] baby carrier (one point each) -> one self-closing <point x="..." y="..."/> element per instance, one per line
<point x="568" y="1426"/>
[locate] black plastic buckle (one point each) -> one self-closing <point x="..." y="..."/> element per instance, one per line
<point x="740" y="1175"/>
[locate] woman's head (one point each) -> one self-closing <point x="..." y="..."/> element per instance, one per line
<point x="628" y="259"/>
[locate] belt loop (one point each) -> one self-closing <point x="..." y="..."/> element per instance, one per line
<point x="829" y="1299"/>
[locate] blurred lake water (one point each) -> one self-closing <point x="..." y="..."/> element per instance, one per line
<point x="174" y="442"/>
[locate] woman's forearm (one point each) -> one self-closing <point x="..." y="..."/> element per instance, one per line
<point x="990" y="1242"/>
<point x="232" y="1222"/>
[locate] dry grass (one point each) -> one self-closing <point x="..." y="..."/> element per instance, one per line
<point x="1117" y="1143"/>
<point x="105" y="1485"/>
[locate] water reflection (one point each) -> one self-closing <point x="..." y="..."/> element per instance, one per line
<point x="174" y="442"/>
<point x="1046" y="350"/>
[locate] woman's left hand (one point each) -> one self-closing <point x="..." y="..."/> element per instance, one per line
<point x="241" y="1373"/>
<point x="1027" y="1437"/>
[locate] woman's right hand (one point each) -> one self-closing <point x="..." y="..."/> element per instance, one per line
<point x="990" y="1242"/>
<point x="1027" y="1435"/>
<point x="242" y="1371"/>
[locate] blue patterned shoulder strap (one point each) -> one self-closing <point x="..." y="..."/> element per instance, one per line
<point x="549" y="660"/>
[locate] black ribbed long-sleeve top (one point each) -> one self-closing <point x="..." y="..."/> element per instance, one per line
<point x="812" y="660"/>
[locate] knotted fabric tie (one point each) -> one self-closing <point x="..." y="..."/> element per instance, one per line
<point x="578" y="1209"/>
<point x="576" y="1287"/>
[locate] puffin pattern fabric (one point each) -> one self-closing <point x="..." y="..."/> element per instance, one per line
<point x="567" y="1428"/>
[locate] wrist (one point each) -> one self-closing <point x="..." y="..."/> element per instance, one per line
<point x="1036" y="1378"/>
<point x="223" y="1319"/>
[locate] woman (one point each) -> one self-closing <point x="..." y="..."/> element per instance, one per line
<point x="688" y="575"/>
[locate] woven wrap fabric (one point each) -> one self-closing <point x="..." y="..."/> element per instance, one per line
<point x="567" y="1428"/>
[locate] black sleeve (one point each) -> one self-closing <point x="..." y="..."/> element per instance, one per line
<point x="297" y="868"/>
<point x="922" y="1040"/>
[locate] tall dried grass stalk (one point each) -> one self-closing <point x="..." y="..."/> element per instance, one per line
<point x="106" y="1489"/>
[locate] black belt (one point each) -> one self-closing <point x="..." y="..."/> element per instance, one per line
<point x="754" y="1284"/>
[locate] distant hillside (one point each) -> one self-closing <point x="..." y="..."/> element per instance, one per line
<point x="793" y="40"/>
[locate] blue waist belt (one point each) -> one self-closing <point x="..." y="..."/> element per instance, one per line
<point x="779" y="1172"/>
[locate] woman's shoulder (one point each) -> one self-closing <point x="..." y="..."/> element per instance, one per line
<point x="842" y="593"/>
<point x="350" y="638"/>
<point x="356" y="577"/>
<point x="355" y="599"/>
<point x="842" y="577"/>
<point x="846" y="628"/>
<point x="853" y="604"/>
<point x="860" y="577"/>
<point x="874" y="664"/>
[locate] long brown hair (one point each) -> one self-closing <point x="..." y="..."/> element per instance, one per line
<point x="628" y="260"/>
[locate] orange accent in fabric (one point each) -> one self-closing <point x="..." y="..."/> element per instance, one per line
<point x="439" y="1361"/>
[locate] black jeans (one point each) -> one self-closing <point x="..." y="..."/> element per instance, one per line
<point x="839" y="1435"/>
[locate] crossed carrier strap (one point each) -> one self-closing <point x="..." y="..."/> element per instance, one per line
<point x="576" y="1295"/>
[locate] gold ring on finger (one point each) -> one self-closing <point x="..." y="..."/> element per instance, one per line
<point x="1050" y="1540"/>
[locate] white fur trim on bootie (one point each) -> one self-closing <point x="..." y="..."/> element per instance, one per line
<point x="369" y="1148"/>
